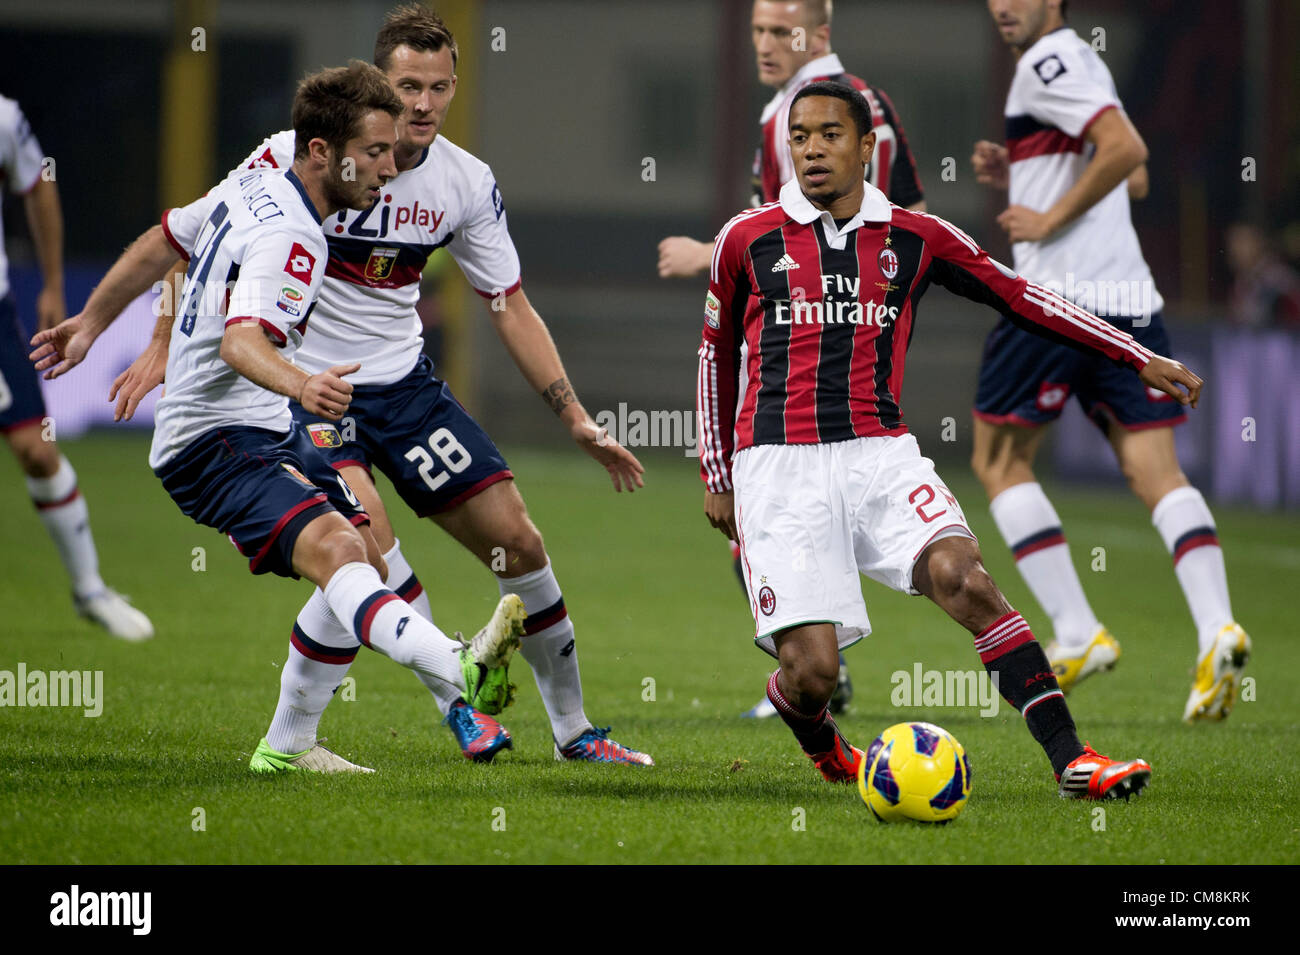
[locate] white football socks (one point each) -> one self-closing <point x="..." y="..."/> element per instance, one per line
<point x="386" y="624"/>
<point x="1031" y="528"/>
<point x="320" y="652"/>
<point x="548" y="646"/>
<point x="1187" y="528"/>
<point x="403" y="582"/>
<point x="64" y="513"/>
<point x="306" y="686"/>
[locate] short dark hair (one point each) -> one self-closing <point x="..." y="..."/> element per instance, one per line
<point x="858" y="106"/>
<point x="416" y="26"/>
<point x="331" y="104"/>
<point x="1064" y="4"/>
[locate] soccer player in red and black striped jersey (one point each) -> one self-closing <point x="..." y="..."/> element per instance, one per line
<point x="804" y="452"/>
<point x="792" y="47"/>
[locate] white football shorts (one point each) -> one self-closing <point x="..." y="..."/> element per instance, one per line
<point x="812" y="517"/>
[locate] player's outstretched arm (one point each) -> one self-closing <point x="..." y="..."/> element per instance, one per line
<point x="60" y="349"/>
<point x="149" y="370"/>
<point x="529" y="343"/>
<point x="681" y="257"/>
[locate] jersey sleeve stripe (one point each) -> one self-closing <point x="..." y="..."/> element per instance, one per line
<point x="1095" y="116"/>
<point x="1051" y="301"/>
<point x="279" y="336"/>
<point x="722" y="237"/>
<point x="504" y="293"/>
<point x="172" y="239"/>
<point x="1058" y="306"/>
<point x="957" y="233"/>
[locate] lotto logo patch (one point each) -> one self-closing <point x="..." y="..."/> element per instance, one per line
<point x="380" y="264"/>
<point x="325" y="435"/>
<point x="1049" y="68"/>
<point x="290" y="300"/>
<point x="1052" y="395"/>
<point x="712" y="309"/>
<point x="300" y="263"/>
<point x="498" y="203"/>
<point x="767" y="601"/>
<point x="264" y="161"/>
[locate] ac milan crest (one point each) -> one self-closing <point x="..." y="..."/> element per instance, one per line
<point x="766" y="601"/>
<point x="888" y="262"/>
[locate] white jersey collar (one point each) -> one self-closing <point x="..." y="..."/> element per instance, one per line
<point x="828" y="65"/>
<point x="875" y="208"/>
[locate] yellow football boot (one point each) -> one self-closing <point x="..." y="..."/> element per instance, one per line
<point x="1218" y="676"/>
<point x="1099" y="655"/>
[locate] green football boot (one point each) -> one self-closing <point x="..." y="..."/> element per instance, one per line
<point x="318" y="759"/>
<point x="485" y="660"/>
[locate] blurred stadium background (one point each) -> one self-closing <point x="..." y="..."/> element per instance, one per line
<point x="567" y="101"/>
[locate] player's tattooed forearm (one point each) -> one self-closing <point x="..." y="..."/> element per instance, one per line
<point x="558" y="394"/>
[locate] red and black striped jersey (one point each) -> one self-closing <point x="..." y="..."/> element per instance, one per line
<point x="821" y="315"/>
<point x="892" y="169"/>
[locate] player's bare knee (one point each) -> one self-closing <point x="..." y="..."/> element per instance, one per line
<point x="37" y="458"/>
<point x="523" y="549"/>
<point x="957" y="575"/>
<point x="343" y="546"/>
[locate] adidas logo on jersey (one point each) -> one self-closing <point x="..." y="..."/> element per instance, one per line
<point x="785" y="264"/>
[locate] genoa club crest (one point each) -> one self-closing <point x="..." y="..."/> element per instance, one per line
<point x="888" y="262"/>
<point x="325" y="435"/>
<point x="380" y="265"/>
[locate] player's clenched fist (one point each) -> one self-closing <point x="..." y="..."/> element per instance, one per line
<point x="1165" y="374"/>
<point x="327" y="394"/>
<point x="991" y="164"/>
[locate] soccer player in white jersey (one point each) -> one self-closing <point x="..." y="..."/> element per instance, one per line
<point x="1071" y="161"/>
<point x="404" y="420"/>
<point x="225" y="444"/>
<point x="51" y="482"/>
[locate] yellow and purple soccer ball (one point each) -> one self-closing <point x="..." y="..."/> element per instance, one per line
<point x="915" y="771"/>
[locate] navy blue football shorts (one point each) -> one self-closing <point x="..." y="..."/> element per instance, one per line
<point x="1026" y="380"/>
<point x="260" y="488"/>
<point x="418" y="435"/>
<point x="20" y="390"/>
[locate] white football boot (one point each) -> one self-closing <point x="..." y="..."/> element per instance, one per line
<point x="115" y="614"/>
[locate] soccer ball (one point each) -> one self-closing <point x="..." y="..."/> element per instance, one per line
<point x="914" y="771"/>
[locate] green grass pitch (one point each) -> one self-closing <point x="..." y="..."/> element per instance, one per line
<point x="663" y="638"/>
